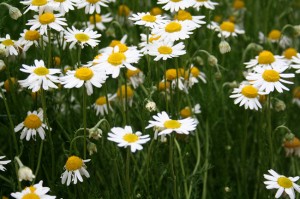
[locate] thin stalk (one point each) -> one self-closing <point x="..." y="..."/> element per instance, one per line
<point x="126" y="99"/>
<point x="165" y="79"/>
<point x="269" y="131"/>
<point x="171" y="162"/>
<point x="206" y="159"/>
<point x="38" y="162"/>
<point x="84" y="121"/>
<point x="127" y="173"/>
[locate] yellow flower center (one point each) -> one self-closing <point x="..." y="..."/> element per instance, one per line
<point x="296" y="92"/>
<point x="47" y="18"/>
<point x="249" y="91"/>
<point x="116" y="58"/>
<point x="97" y="17"/>
<point x="60" y="1"/>
<point x="271" y="75"/>
<point x="8" y="42"/>
<point x="149" y="18"/>
<point x="153" y="38"/>
<point x="162" y="85"/>
<point x="173" y="27"/>
<point x="73" y="163"/>
<point x="121" y="92"/>
<point x="84" y="73"/>
<point x="274" y="35"/>
<point x="41" y="71"/>
<point x="172" y="124"/>
<point x="285" y="182"/>
<point x="82" y="37"/>
<point x="227" y="26"/>
<point x="289" y="53"/>
<point x="38" y="2"/>
<point x="156" y="11"/>
<point x="8" y="83"/>
<point x="238" y="4"/>
<point x="130" y="137"/>
<point x="123" y="10"/>
<point x="175" y="0"/>
<point x="266" y="57"/>
<point x="195" y="71"/>
<point x="113" y="43"/>
<point x="32" y="121"/>
<point x="171" y="74"/>
<point x="32" y="35"/>
<point x="186" y="112"/>
<point x="165" y="50"/>
<point x="294" y="143"/>
<point x="32" y="189"/>
<point x="122" y="48"/>
<point x="130" y="73"/>
<point x="101" y="100"/>
<point x="92" y="1"/>
<point x="31" y="196"/>
<point x="201" y="0"/>
<point x="183" y="15"/>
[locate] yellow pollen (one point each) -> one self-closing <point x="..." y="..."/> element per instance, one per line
<point x="289" y="53"/>
<point x="162" y="85"/>
<point x="46" y="18"/>
<point x="284" y="182"/>
<point x="116" y="58"/>
<point x="201" y="0"/>
<point x="227" y="26"/>
<point x="165" y="50"/>
<point x="8" y="42"/>
<point x="60" y="1"/>
<point x="149" y="18"/>
<point x="266" y="57"/>
<point x="73" y="163"/>
<point x="56" y="60"/>
<point x="271" y="75"/>
<point x="32" y="121"/>
<point x="238" y="4"/>
<point x="274" y="35"/>
<point x="31" y="196"/>
<point x="183" y="15"/>
<point x="195" y="71"/>
<point x="175" y="0"/>
<point x="38" y="2"/>
<point x="122" y="48"/>
<point x="82" y="37"/>
<point x="249" y="91"/>
<point x="296" y="92"/>
<point x="123" y="10"/>
<point x="186" y="112"/>
<point x="84" y="73"/>
<point x="172" y="124"/>
<point x="121" y="92"/>
<point x="173" y="27"/>
<point x="171" y="74"/>
<point x="294" y="143"/>
<point x="262" y="98"/>
<point x="92" y="1"/>
<point x="130" y="137"/>
<point x="97" y="17"/>
<point x="113" y="43"/>
<point x="8" y="83"/>
<point x="156" y="11"/>
<point x="153" y="38"/>
<point x="130" y="73"/>
<point x="32" y="35"/>
<point x="41" y="71"/>
<point x="101" y="100"/>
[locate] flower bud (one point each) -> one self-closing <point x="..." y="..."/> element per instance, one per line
<point x="92" y="148"/>
<point x="212" y="60"/>
<point x="279" y="106"/>
<point x="95" y="133"/>
<point x="151" y="106"/>
<point x="25" y="173"/>
<point x="198" y="61"/>
<point x="224" y="47"/>
<point x="218" y="75"/>
<point x="2" y="65"/>
<point x="14" y="12"/>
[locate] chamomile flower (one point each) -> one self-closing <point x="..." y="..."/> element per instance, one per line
<point x="173" y="30"/>
<point x="29" y="38"/>
<point x="10" y="46"/>
<point x="147" y="20"/>
<point x="124" y="92"/>
<point x="88" y="75"/>
<point x="189" y="112"/>
<point x="166" y="49"/>
<point x="296" y="96"/>
<point x="292" y="147"/>
<point x="296" y="63"/>
<point x="282" y="183"/>
<point x="197" y="4"/>
<point x="269" y="78"/>
<point x="92" y="6"/>
<point x="125" y="137"/>
<point x="32" y="124"/>
<point x="176" y="78"/>
<point x="192" y="21"/>
<point x="3" y="162"/>
<point x="45" y="21"/>
<point x="175" y="5"/>
<point x="226" y="29"/>
<point x="288" y="54"/>
<point x="35" y="5"/>
<point x="62" y="6"/>
<point x="35" y="191"/>
<point x="101" y="106"/>
<point x="136" y="77"/>
<point x="100" y="20"/>
<point x="82" y="37"/>
<point x="74" y="170"/>
<point x="167" y="125"/>
<point x="266" y="59"/>
<point x="40" y="76"/>
<point x="248" y="96"/>
<point x="145" y="45"/>
<point x="193" y="74"/>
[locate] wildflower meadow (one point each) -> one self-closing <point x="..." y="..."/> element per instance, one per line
<point x="150" y="99"/>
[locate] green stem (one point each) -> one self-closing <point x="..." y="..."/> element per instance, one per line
<point x="39" y="161"/>
<point x="171" y="162"/>
<point x="72" y="142"/>
<point x="126" y="99"/>
<point x="206" y="159"/>
<point x="49" y="50"/>
<point x="84" y="120"/>
<point x="269" y="130"/>
<point x="127" y="173"/>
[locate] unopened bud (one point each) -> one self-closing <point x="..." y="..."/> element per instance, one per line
<point x="256" y="47"/>
<point x="14" y="13"/>
<point x="25" y="173"/>
<point x="151" y="106"/>
<point x="95" y="133"/>
<point x="2" y="65"/>
<point x="224" y="47"/>
<point x="289" y="136"/>
<point x="2" y="51"/>
<point x="218" y="75"/>
<point x="297" y="30"/>
<point x="92" y="148"/>
<point x="227" y="189"/>
<point x="198" y="61"/>
<point x="279" y="106"/>
<point x="212" y="60"/>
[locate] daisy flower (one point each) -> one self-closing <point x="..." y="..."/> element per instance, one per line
<point x="124" y="92"/>
<point x="3" y="162"/>
<point x="167" y="125"/>
<point x="226" y="29"/>
<point x="296" y="96"/>
<point x="29" y="38"/>
<point x="10" y="46"/>
<point x="282" y="183"/>
<point x="125" y="137"/>
<point x="136" y="77"/>
<point x="32" y="123"/>
<point x="288" y="54"/>
<point x="188" y="112"/>
<point x="247" y="95"/>
<point x="189" y="20"/>
<point x="87" y="75"/>
<point x="35" y="5"/>
<point x="266" y="59"/>
<point x="100" y="20"/>
<point x="193" y="74"/>
<point x="166" y="49"/>
<point x="147" y="20"/>
<point x="74" y="169"/>
<point x="91" y="5"/>
<point x="100" y="104"/>
<point x="204" y="3"/>
<point x="47" y="20"/>
<point x="292" y="146"/>
<point x="175" y="5"/>
<point x="176" y="78"/>
<point x="34" y="191"/>
<point x="62" y="6"/>
<point x="295" y="62"/>
<point x="173" y="30"/>
<point x="40" y="76"/>
<point x="269" y="78"/>
<point x="145" y="45"/>
<point x="82" y="37"/>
